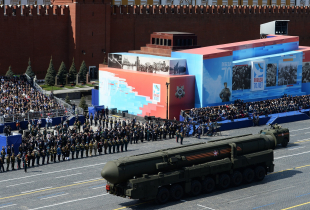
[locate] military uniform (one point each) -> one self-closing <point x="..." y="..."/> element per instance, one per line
<point x="77" y="150"/>
<point x="7" y="162"/>
<point x="19" y="160"/>
<point x="82" y="149"/>
<point x="86" y="149"/>
<point x="125" y="142"/>
<point x="113" y="144"/>
<point x="72" y="151"/>
<point x="177" y="136"/>
<point x="122" y="145"/>
<point x="110" y="146"/>
<point x="181" y="138"/>
<point x="90" y="149"/>
<point x="1" y="164"/>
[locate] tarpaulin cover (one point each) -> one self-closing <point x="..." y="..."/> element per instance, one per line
<point x="95" y="109"/>
<point x="9" y="140"/>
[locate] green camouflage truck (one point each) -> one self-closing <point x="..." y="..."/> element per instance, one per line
<point x="191" y="169"/>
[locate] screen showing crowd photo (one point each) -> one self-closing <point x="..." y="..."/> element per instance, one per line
<point x="287" y="73"/>
<point x="306" y="72"/>
<point x="241" y="77"/>
<point x="271" y="79"/>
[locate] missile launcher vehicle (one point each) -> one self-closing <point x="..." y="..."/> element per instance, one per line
<point x="192" y="169"/>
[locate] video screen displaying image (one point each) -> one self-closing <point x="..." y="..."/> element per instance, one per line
<point x="130" y="62"/>
<point x="306" y="72"/>
<point x="241" y="77"/>
<point x="115" y="61"/>
<point x="287" y="73"/>
<point x="151" y="65"/>
<point x="178" y="67"/>
<point x="271" y="79"/>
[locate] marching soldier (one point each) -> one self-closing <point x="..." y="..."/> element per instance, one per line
<point x="110" y="146"/>
<point x="7" y="162"/>
<point x="43" y="154"/>
<point x="13" y="161"/>
<point x="105" y="144"/>
<point x="1" y="165"/>
<point x="122" y="144"/>
<point x="177" y="136"/>
<point x="117" y="145"/>
<point x="37" y="154"/>
<point x="72" y="148"/>
<point x="19" y="160"/>
<point x="126" y="142"/>
<point x="181" y="137"/>
<point x="25" y="160"/>
<point x="3" y="153"/>
<point x="86" y="149"/>
<point x="113" y="144"/>
<point x="82" y="149"/>
<point x="33" y="158"/>
<point x="95" y="145"/>
<point x="77" y="150"/>
<point x="91" y="148"/>
<point x="54" y="153"/>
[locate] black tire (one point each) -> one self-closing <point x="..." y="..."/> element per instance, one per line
<point x="224" y="181"/>
<point x="284" y="142"/>
<point x="195" y="188"/>
<point x="163" y="195"/>
<point x="236" y="178"/>
<point x="208" y="185"/>
<point x="260" y="173"/>
<point x="176" y="192"/>
<point x="248" y="175"/>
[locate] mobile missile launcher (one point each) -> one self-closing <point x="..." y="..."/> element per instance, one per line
<point x="191" y="169"/>
<point x="282" y="135"/>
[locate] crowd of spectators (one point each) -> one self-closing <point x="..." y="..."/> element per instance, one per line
<point x="18" y="97"/>
<point x="241" y="109"/>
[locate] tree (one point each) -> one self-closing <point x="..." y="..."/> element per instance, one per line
<point x="62" y="73"/>
<point x="83" y="71"/>
<point x="83" y="104"/>
<point x="50" y="74"/>
<point x="72" y="72"/>
<point x="9" y="73"/>
<point x="29" y="71"/>
<point x="67" y="100"/>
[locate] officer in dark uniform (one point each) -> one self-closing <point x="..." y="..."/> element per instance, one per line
<point x="105" y="145"/>
<point x="114" y="145"/>
<point x="126" y="142"/>
<point x="122" y="145"/>
<point x="19" y="160"/>
<point x="13" y="161"/>
<point x="77" y="150"/>
<point x="110" y="146"/>
<point x="43" y="155"/>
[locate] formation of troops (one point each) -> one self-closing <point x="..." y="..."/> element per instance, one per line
<point x="112" y="135"/>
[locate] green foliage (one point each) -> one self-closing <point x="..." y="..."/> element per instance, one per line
<point x="62" y="73"/>
<point x="50" y="74"/>
<point x="67" y="100"/>
<point x="72" y="72"/>
<point x="29" y="71"/>
<point x="83" y="71"/>
<point x="83" y="104"/>
<point x="9" y="73"/>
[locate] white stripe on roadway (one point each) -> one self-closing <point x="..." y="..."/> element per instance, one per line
<point x="205" y="207"/>
<point x="52" y="172"/>
<point x="53" y="196"/>
<point x="67" y="175"/>
<point x="300" y="129"/>
<point x="19" y="184"/>
<point x="36" y="190"/>
<point x="57" y="204"/>
<point x="86" y="180"/>
<point x="7" y="206"/>
<point x="291" y="155"/>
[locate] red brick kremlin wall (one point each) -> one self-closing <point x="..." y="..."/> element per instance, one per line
<point x="97" y="28"/>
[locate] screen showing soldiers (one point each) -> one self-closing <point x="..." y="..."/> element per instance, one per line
<point x="305" y="72"/>
<point x="271" y="79"/>
<point x="287" y="74"/>
<point x="241" y="78"/>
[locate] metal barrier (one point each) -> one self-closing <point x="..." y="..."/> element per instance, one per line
<point x="33" y="115"/>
